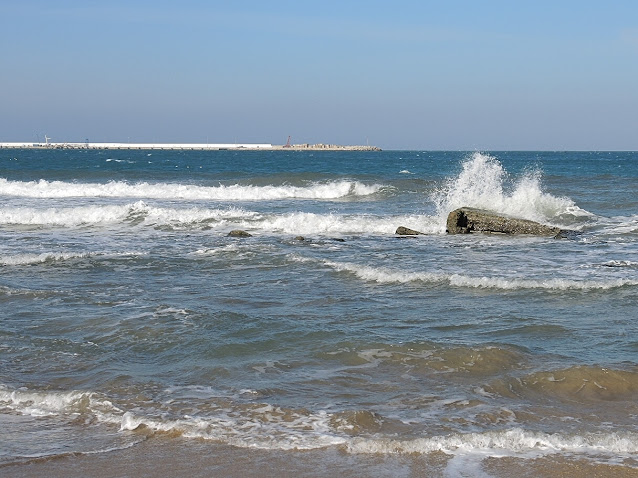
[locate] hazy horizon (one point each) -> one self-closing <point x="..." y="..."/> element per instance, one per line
<point x="468" y="76"/>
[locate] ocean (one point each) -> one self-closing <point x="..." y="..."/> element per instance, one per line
<point x="137" y="337"/>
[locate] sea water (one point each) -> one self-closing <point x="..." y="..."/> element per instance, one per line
<point x="128" y="315"/>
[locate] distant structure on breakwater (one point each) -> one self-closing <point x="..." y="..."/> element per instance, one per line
<point x="325" y="147"/>
<point x="186" y="146"/>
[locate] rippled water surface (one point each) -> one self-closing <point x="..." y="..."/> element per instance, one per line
<point x="127" y="313"/>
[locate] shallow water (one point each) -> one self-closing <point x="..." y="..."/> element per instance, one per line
<point x="128" y="316"/>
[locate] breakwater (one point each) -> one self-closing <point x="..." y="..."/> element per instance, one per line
<point x="188" y="146"/>
<point x="161" y="146"/>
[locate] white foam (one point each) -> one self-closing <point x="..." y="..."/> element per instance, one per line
<point x="616" y="263"/>
<point x="311" y="223"/>
<point x="483" y="184"/>
<point x="46" y="257"/>
<point x="25" y="259"/>
<point x="264" y="427"/>
<point x="389" y="276"/>
<point x="43" y="403"/>
<point x="64" y="216"/>
<point x="621" y="225"/>
<point x="232" y="217"/>
<point x="110" y="214"/>
<point x="271" y="427"/>
<point x="236" y="192"/>
<point x="511" y="441"/>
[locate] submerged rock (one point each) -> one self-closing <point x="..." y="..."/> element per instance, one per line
<point x="466" y="220"/>
<point x="404" y="231"/>
<point x="239" y="233"/>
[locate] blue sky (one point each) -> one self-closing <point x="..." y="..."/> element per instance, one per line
<point x="469" y="75"/>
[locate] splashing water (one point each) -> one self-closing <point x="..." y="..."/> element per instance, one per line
<point x="483" y="184"/>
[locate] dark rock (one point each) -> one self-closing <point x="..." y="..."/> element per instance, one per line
<point x="338" y="239"/>
<point x="466" y="220"/>
<point x="239" y="233"/>
<point x="300" y="238"/>
<point x="404" y="231"/>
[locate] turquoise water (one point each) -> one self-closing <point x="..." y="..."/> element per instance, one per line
<point x="126" y="311"/>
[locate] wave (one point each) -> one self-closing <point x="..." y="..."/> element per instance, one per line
<point x="270" y="427"/>
<point x="74" y="216"/>
<point x="582" y="384"/>
<point x="39" y="404"/>
<point x="389" y="276"/>
<point x="143" y="213"/>
<point x="616" y="263"/>
<point x="246" y="425"/>
<point x="429" y="358"/>
<point x="52" y="257"/>
<point x="483" y="183"/>
<point x="108" y="214"/>
<point x="515" y="440"/>
<point x="26" y="259"/>
<point x="620" y="225"/>
<point x="311" y="223"/>
<point x="118" y="189"/>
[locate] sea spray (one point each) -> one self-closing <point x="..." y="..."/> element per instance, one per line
<point x="483" y="183"/>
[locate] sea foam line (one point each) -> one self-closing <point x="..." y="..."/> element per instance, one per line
<point x="270" y="427"/>
<point x="235" y="192"/>
<point x="388" y="276"/>
<point x="45" y="257"/>
<point x="312" y="223"/>
<point x="109" y="214"/>
<point x="515" y="441"/>
<point x="26" y="259"/>
<point x="143" y="213"/>
<point x="36" y="403"/>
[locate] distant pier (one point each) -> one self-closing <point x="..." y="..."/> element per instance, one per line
<point x="188" y="146"/>
<point x="172" y="146"/>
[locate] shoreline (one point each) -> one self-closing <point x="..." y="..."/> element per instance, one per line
<point x="190" y="146"/>
<point x="164" y="456"/>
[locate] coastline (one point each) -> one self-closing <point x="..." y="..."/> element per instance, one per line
<point x="189" y="146"/>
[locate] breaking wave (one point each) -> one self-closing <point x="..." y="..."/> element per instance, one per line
<point x="390" y="276"/>
<point x="270" y="427"/>
<point x="25" y="259"/>
<point x="235" y="192"/>
<point x="515" y="440"/>
<point x="311" y="223"/>
<point x="52" y="257"/>
<point x="142" y="213"/>
<point x="109" y="214"/>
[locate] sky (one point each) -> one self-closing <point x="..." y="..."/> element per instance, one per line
<point x="452" y="75"/>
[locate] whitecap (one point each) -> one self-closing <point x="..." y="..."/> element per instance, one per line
<point x="235" y="192"/>
<point x="390" y="276"/>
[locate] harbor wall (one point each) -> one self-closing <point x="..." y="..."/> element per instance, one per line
<point x="194" y="146"/>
